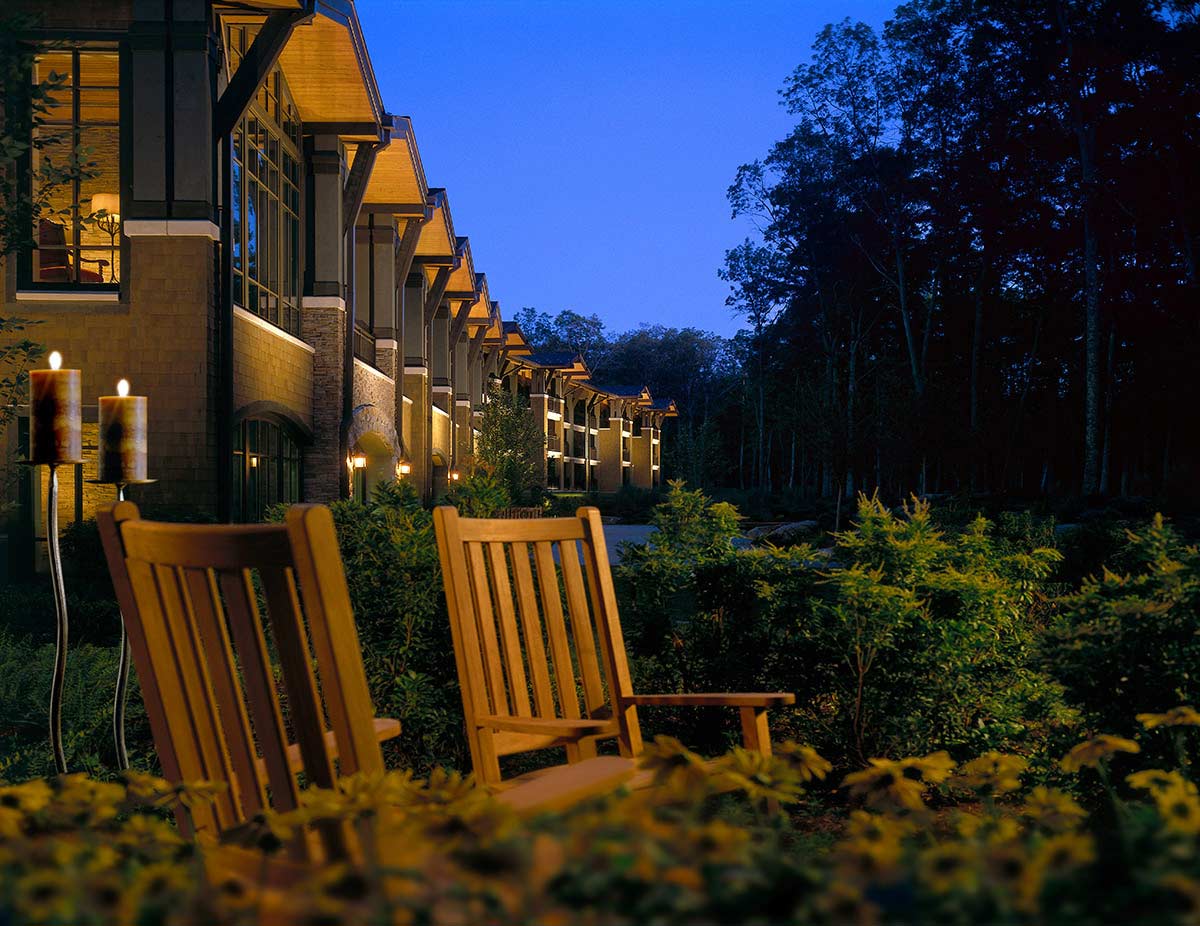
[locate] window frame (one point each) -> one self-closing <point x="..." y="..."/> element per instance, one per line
<point x="277" y="453"/>
<point x="288" y="254"/>
<point x="24" y="263"/>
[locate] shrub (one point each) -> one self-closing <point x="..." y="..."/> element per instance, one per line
<point x="391" y="560"/>
<point x="511" y="442"/>
<point x="1129" y="640"/>
<point x="479" y="493"/>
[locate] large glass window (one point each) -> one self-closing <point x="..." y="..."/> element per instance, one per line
<point x="75" y="172"/>
<point x="266" y="198"/>
<point x="266" y="468"/>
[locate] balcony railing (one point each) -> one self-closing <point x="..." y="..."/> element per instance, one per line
<point x="364" y="345"/>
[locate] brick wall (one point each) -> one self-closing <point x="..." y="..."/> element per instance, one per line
<point x="324" y="327"/>
<point x="268" y="366"/>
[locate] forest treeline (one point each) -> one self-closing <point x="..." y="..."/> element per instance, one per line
<point x="974" y="267"/>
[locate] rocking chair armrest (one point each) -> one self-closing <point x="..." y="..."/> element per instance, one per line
<point x="549" y="726"/>
<point x="92" y="260"/>
<point x="732" y="699"/>
<point x="386" y="728"/>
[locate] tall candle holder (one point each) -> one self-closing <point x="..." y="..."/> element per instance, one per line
<point x="122" y="463"/>
<point x="56" y="439"/>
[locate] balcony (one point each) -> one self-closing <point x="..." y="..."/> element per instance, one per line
<point x="364" y="345"/>
<point x="553" y="444"/>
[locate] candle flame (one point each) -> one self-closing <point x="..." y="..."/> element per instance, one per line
<point x="55" y="360"/>
<point x="123" y="388"/>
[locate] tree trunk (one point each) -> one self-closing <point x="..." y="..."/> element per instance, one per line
<point x="1110" y="370"/>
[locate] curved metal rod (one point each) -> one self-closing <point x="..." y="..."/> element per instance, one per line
<point x="122" y="685"/>
<point x="60" y="611"/>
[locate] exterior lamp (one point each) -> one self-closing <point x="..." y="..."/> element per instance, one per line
<point x="454" y="475"/>
<point x="403" y="468"/>
<point x="253" y="462"/>
<point x="109" y="222"/>
<point x="360" y="461"/>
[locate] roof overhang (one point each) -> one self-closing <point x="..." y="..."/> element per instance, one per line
<point x="330" y="75"/>
<point x="463" y="286"/>
<point x="398" y="186"/>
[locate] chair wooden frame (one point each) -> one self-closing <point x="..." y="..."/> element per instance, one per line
<point x="199" y="643"/>
<point x="498" y="607"/>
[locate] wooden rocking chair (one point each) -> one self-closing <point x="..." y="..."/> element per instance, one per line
<point x="505" y="594"/>
<point x="200" y="645"/>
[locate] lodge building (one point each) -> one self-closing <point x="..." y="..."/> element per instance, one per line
<point x="259" y="251"/>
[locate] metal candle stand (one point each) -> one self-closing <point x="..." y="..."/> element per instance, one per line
<point x="123" y="663"/>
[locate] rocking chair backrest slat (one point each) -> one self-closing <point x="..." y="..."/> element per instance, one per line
<point x="189" y="597"/>
<point x="520" y="653"/>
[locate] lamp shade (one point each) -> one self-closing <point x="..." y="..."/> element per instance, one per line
<point x="107" y="202"/>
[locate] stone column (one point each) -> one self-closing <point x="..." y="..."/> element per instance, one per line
<point x="417" y="405"/>
<point x="323" y="318"/>
<point x="462" y="401"/>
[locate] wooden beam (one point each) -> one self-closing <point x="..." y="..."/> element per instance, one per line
<point x="260" y="58"/>
<point x="476" y="346"/>
<point x="356" y="183"/>
<point x="460" y="320"/>
<point x="407" y="247"/>
<point x="433" y="297"/>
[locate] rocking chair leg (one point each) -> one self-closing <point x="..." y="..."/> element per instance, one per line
<point x="756" y="736"/>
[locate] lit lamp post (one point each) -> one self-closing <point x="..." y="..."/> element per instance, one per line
<point x="122" y="463"/>
<point x="110" y="224"/>
<point x="56" y="439"/>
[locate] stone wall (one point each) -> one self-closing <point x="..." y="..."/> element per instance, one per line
<point x="270" y="366"/>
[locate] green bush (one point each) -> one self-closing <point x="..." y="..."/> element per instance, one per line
<point x="25" y="670"/>
<point x="478" y="493"/>
<point x="901" y="639"/>
<point x="1129" y="639"/>
<point x="390" y="555"/>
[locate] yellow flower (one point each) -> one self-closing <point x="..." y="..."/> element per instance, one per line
<point x="875" y="828"/>
<point x="899" y="783"/>
<point x="160" y="885"/>
<point x="674" y="765"/>
<point x="1180" y="809"/>
<point x="105" y="895"/>
<point x="1053" y="809"/>
<point x="1182" y="716"/>
<point x="43" y="895"/>
<point x="1090" y="753"/>
<point x="1064" y="852"/>
<point x="29" y="797"/>
<point x="946" y="867"/>
<point x="1188" y="891"/>
<point x="843" y="904"/>
<point x="987" y="829"/>
<point x="760" y="777"/>
<point x="11" y="822"/>
<point x="993" y="773"/>
<point x="807" y="762"/>
<point x="1156" y="781"/>
<point x="865" y="860"/>
<point x="683" y="876"/>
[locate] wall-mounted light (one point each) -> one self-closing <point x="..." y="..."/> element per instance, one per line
<point x="403" y="468"/>
<point x="359" y="461"/>
<point x="253" y="462"/>
<point x="454" y="475"/>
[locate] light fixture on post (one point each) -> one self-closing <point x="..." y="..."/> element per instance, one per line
<point x="359" y="461"/>
<point x="109" y="222"/>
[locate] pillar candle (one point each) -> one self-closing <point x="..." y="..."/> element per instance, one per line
<point x="55" y="433"/>
<point x="122" y="436"/>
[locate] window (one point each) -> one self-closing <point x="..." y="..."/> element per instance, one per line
<point x="605" y="418"/>
<point x="266" y="468"/>
<point x="266" y="198"/>
<point x="77" y="226"/>
<point x="580" y="415"/>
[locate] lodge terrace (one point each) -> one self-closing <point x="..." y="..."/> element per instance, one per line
<point x="261" y="253"/>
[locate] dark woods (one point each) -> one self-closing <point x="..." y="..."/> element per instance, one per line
<point x="977" y="264"/>
<point x="975" y="267"/>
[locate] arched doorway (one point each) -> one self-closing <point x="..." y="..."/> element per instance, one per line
<point x="441" y="473"/>
<point x="372" y="461"/>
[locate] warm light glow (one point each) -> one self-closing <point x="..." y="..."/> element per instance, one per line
<point x="123" y="388"/>
<point x="253" y="462"/>
<point x="55" y="360"/>
<point x="454" y="475"/>
<point x="360" y="461"/>
<point x="405" y="469"/>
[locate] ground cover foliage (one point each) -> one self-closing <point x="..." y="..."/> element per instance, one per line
<point x="984" y="738"/>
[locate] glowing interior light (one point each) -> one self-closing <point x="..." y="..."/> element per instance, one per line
<point x="123" y="388"/>
<point x="55" y="360"/>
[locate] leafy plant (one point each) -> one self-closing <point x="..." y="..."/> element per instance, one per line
<point x="512" y="444"/>
<point x="479" y="493"/>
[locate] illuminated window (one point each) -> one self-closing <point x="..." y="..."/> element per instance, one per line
<point x="266" y="468"/>
<point x="77" y="228"/>
<point x="266" y="198"/>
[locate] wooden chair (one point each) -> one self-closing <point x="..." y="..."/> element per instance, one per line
<point x="522" y="670"/>
<point x="54" y="260"/>
<point x="203" y="651"/>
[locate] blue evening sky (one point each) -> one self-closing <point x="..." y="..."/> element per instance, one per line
<point x="586" y="146"/>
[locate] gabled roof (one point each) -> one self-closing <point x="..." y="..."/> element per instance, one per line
<point x="639" y="394"/>
<point x="397" y="183"/>
<point x="664" y="406"/>
<point x="438" y="243"/>
<point x="462" y="283"/>
<point x="329" y="71"/>
<point x="550" y="358"/>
